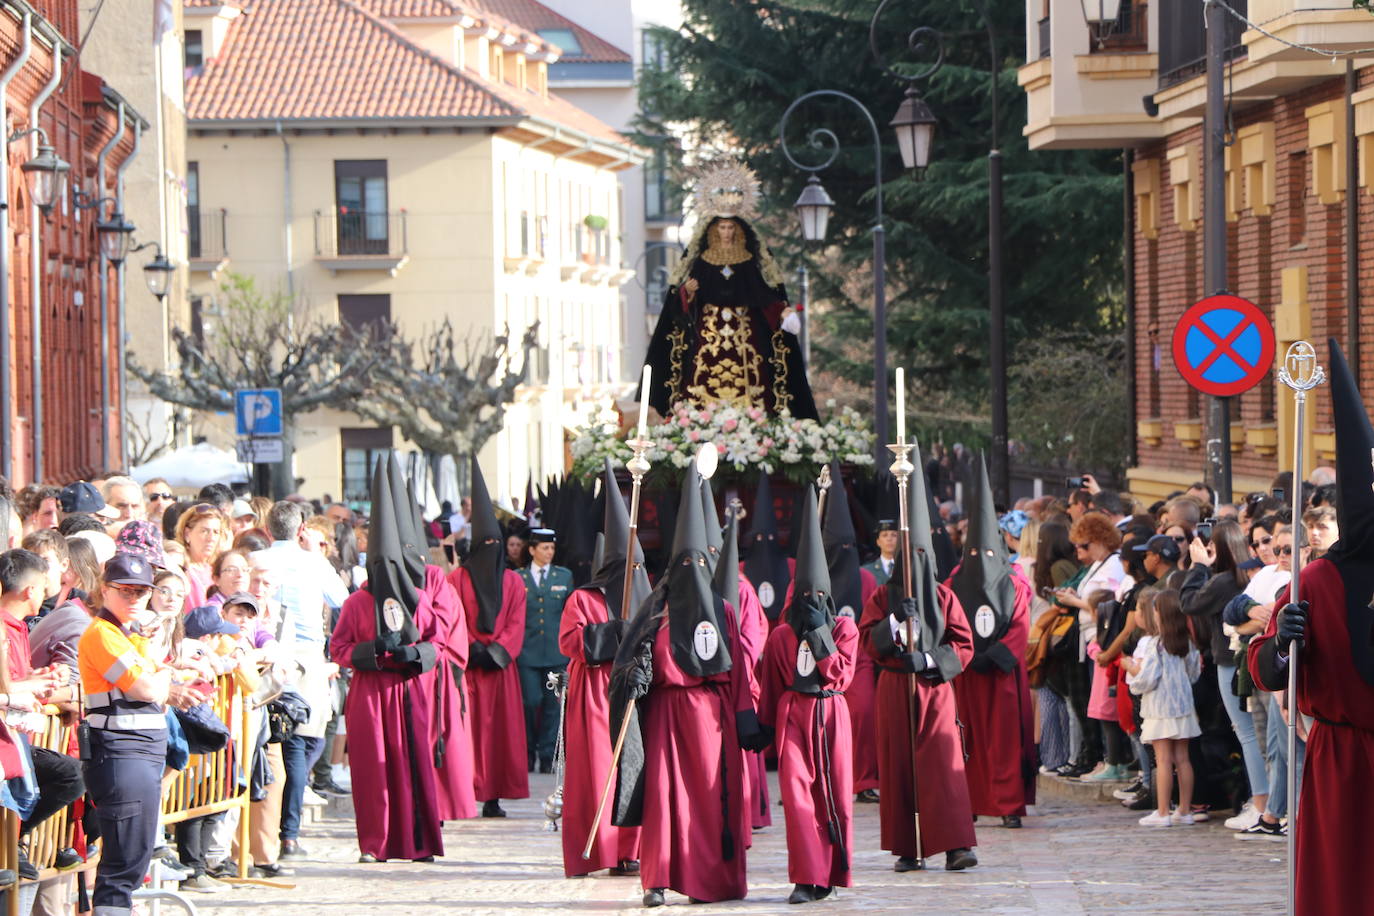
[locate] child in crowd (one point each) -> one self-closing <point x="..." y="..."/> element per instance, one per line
<point x="1161" y="671"/>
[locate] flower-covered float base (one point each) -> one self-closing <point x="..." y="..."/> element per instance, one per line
<point x="790" y="452"/>
<point x="750" y="443"/>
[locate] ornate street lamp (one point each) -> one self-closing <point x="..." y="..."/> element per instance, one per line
<point x="914" y="125"/>
<point x="814" y="206"/>
<point x="115" y="234"/>
<point x="46" y="174"/>
<point x="1102" y="17"/>
<point x="157" y="273"/>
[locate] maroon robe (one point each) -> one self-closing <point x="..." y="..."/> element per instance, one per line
<point x="587" y="745"/>
<point x="942" y="790"/>
<point x="860" y="698"/>
<point x="453" y="778"/>
<point x="1337" y="794"/>
<point x="388" y="714"/>
<point x="688" y="724"/>
<point x="999" y="732"/>
<point x="753" y="632"/>
<point x="496" y="712"/>
<point x="815" y="760"/>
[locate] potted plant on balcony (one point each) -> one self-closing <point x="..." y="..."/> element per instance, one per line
<point x="597" y="225"/>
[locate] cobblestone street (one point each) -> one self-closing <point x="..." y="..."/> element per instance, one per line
<point x="1074" y="856"/>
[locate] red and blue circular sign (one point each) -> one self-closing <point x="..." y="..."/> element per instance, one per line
<point x="1224" y="345"/>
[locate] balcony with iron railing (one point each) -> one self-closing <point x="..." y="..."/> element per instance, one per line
<point x="349" y="239"/>
<point x="1183" y="39"/>
<point x="206" y="232"/>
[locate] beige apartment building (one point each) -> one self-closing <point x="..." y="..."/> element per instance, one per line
<point x="405" y="159"/>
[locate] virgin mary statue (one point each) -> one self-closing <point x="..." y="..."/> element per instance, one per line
<point x="727" y="334"/>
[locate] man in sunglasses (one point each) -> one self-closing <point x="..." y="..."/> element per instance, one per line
<point x="157" y="497"/>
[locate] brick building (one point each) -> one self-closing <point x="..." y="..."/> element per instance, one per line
<point x="59" y="379"/>
<point x="1142" y="89"/>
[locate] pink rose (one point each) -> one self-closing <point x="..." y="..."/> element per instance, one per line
<point x="669" y="446"/>
<point x="763" y="451"/>
<point x="706" y="416"/>
<point x="768" y="442"/>
<point x="694" y="435"/>
<point x="684" y="422"/>
<point x="730" y="425"/>
<point x="720" y="447"/>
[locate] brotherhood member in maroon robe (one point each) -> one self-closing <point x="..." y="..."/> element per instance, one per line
<point x="681" y="775"/>
<point x="589" y="636"/>
<point x="806" y="669"/>
<point x="994" y="694"/>
<point x="766" y="565"/>
<point x="387" y="632"/>
<point x="1334" y="631"/>
<point x="494" y="599"/>
<point x="450" y="734"/>
<point x="943" y="647"/>
<point x="722" y="559"/>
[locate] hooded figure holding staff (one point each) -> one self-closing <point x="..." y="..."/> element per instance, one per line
<point x="920" y="760"/>
<point x="590" y="634"/>
<point x="807" y="667"/>
<point x="680" y="775"/>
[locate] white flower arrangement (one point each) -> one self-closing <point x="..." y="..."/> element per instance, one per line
<point x="748" y="440"/>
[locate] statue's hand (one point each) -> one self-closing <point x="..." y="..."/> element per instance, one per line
<point x="791" y="322"/>
<point x="691" y="287"/>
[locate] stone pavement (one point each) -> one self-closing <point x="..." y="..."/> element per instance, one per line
<point x="1074" y="856"/>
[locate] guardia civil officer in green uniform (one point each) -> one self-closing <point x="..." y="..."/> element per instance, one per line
<point x="881" y="566"/>
<point x="547" y="587"/>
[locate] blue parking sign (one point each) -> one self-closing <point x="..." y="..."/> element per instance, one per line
<point x="257" y="411"/>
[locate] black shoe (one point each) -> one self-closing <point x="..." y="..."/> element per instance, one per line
<point x="1262" y="830"/>
<point x="960" y="859"/>
<point x="292" y="849"/>
<point x="493" y="808"/>
<point x="1145" y="802"/>
<point x="274" y="870"/>
<point x="802" y="893"/>
<point x="820" y="893"/>
<point x="424" y="860"/>
<point x="907" y="863"/>
<point x="546" y="766"/>
<point x="7" y="877"/>
<point x="367" y="858"/>
<point x="867" y="796"/>
<point x="174" y="868"/>
<point x="626" y="869"/>
<point x="1012" y="821"/>
<point x="27" y="870"/>
<point x="225" y="869"/>
<point x="330" y="788"/>
<point x="65" y="859"/>
<point x="653" y="896"/>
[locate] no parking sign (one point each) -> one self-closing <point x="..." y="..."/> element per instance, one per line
<point x="1223" y="345"/>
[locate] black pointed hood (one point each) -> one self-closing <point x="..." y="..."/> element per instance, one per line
<point x="486" y="562"/>
<point x="811" y="584"/>
<point x="610" y="574"/>
<point x="1353" y="554"/>
<point x="841" y="549"/>
<point x="413" y="543"/>
<point x="765" y="563"/>
<point x="921" y="560"/>
<point x="983" y="583"/>
<point x="696" y="614"/>
<point x="725" y="580"/>
<point x="395" y="597"/>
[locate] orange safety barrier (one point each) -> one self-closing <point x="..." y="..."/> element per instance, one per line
<point x="209" y="784"/>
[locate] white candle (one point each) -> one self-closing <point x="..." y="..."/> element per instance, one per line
<point x="644" y="403"/>
<point x="901" y="406"/>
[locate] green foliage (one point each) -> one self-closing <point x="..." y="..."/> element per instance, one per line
<point x="732" y="71"/>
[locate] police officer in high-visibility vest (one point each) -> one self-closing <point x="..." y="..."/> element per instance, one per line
<point x="547" y="588"/>
<point x="125" y="735"/>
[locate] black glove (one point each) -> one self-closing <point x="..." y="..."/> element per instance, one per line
<point x="405" y="655"/>
<point x="812" y="617"/>
<point x="479" y="657"/>
<point x="1000" y="657"/>
<point x="981" y="663"/>
<point x="905" y="609"/>
<point x="753" y="735"/>
<point x="1292" y="626"/>
<point x="913" y="662"/>
<point x="641" y="675"/>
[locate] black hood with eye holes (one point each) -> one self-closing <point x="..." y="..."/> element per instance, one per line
<point x="983" y="583"/>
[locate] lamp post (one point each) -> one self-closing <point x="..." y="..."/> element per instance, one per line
<point x="1102" y="16"/>
<point x="814" y="206"/>
<point x="997" y="346"/>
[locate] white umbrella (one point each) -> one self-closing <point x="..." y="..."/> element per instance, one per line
<point x="193" y="466"/>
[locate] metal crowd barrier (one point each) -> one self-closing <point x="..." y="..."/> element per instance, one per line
<point x="209" y="784"/>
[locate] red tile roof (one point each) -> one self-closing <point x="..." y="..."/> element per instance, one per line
<point x="331" y="60"/>
<point x="535" y="16"/>
<point x="450" y="9"/>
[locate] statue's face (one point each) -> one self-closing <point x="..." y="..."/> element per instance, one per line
<point x="725" y="233"/>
